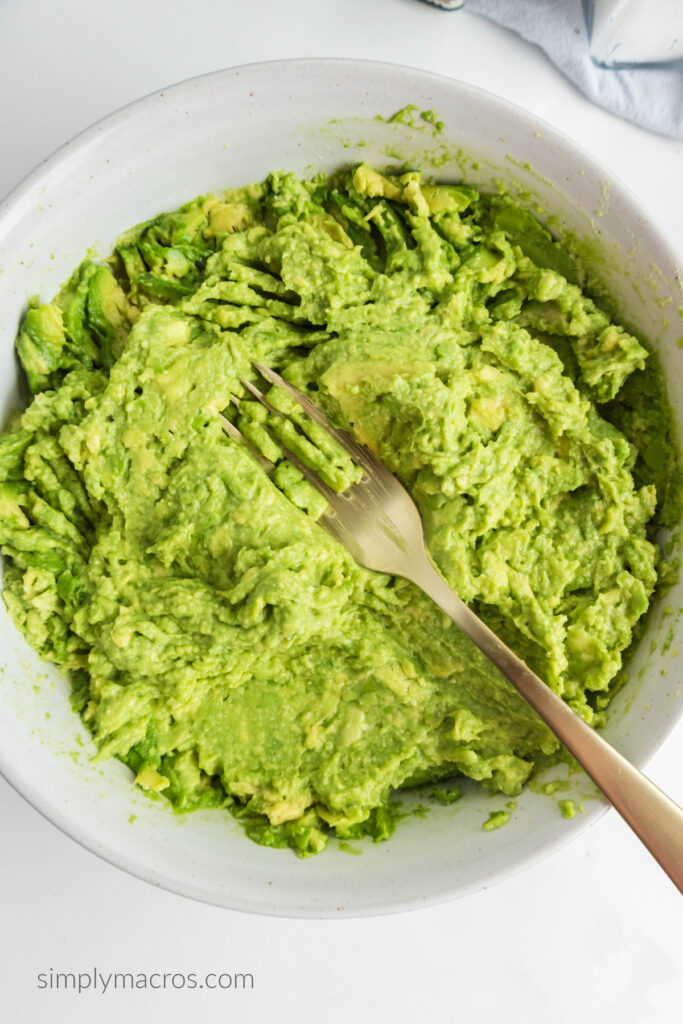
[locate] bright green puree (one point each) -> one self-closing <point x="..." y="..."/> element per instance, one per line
<point x="219" y="641"/>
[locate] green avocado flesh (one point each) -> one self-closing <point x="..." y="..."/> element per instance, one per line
<point x="218" y="640"/>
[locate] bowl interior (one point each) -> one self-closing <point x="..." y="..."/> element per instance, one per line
<point x="231" y="128"/>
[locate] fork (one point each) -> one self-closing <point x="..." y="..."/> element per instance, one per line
<point x="378" y="523"/>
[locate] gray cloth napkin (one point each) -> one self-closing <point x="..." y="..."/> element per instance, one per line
<point x="651" y="98"/>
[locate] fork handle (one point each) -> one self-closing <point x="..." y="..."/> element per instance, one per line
<point x="652" y="815"/>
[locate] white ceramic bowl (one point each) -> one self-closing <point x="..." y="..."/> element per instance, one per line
<point x="231" y="128"/>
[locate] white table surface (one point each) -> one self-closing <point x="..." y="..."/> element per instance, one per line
<point x="594" y="932"/>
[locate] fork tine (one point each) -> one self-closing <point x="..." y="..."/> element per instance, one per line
<point x="260" y="397"/>
<point x="331" y="496"/>
<point x="231" y="430"/>
<point x="358" y="452"/>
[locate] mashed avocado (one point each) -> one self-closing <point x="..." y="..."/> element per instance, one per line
<point x="220" y="642"/>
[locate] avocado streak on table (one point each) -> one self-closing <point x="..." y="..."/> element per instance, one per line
<point x="218" y="640"/>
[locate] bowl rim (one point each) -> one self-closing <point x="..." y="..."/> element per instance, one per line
<point x="11" y="213"/>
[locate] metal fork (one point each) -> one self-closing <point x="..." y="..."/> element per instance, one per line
<point x="378" y="523"/>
